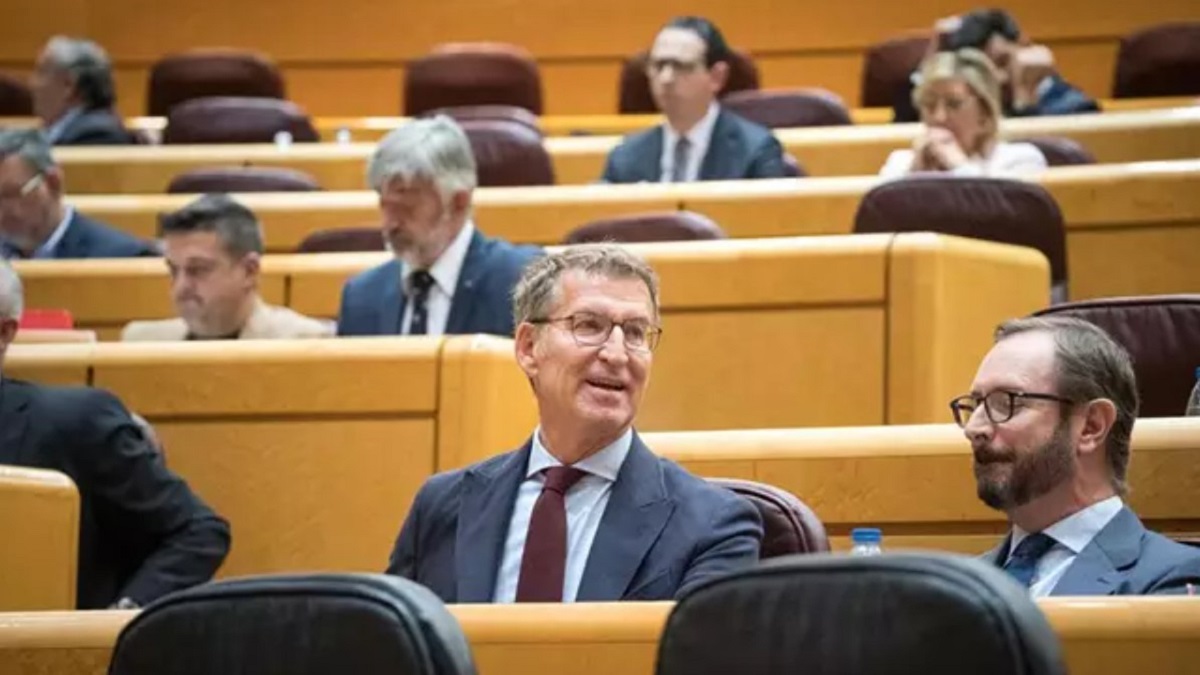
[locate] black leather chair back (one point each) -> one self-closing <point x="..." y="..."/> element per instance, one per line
<point x="322" y="624"/>
<point x="896" y="614"/>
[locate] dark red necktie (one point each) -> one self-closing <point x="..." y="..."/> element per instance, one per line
<point x="544" y="562"/>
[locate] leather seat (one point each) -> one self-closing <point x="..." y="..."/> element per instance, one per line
<point x="896" y="614"/>
<point x="472" y="73"/>
<point x="15" y="97"/>
<point x="994" y="209"/>
<point x="237" y="120"/>
<point x="634" y="87"/>
<point x="789" y="525"/>
<point x="343" y="240"/>
<point x="318" y="624"/>
<point x="788" y="108"/>
<point x="1061" y="151"/>
<point x="486" y="113"/>
<point x="508" y="153"/>
<point x="242" y="179"/>
<point x="1161" y="334"/>
<point x="1162" y="60"/>
<point x="887" y="68"/>
<point x="203" y="73"/>
<point x="643" y="227"/>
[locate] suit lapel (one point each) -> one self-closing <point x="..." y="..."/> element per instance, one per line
<point x="483" y="518"/>
<point x="649" y="166"/>
<point x="1100" y="566"/>
<point x="391" y="301"/>
<point x="714" y="166"/>
<point x="14" y="418"/>
<point x="637" y="512"/>
<point x="465" y="301"/>
<point x="74" y="239"/>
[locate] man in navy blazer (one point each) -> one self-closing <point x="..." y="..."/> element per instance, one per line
<point x="583" y="511"/>
<point x="74" y="94"/>
<point x="447" y="276"/>
<point x="1049" y="418"/>
<point x="687" y="67"/>
<point x="35" y="222"/>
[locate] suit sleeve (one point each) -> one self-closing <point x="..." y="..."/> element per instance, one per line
<point x="154" y="510"/>
<point x="610" y="167"/>
<point x="768" y="160"/>
<point x="403" y="561"/>
<point x="344" y="310"/>
<point x="732" y="544"/>
<point x="1182" y="580"/>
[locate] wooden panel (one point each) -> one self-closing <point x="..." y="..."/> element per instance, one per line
<point x="1100" y="636"/>
<point x="54" y="364"/>
<point x="374" y="89"/>
<point x="304" y="495"/>
<point x="838" y="72"/>
<point x="272" y="377"/>
<point x="39" y="519"/>
<point x="1149" y="261"/>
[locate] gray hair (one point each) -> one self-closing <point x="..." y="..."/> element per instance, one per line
<point x="538" y="287"/>
<point x="30" y="145"/>
<point x="12" y="295"/>
<point x="436" y="149"/>
<point x="235" y="224"/>
<point x="1090" y="365"/>
<point x="89" y="67"/>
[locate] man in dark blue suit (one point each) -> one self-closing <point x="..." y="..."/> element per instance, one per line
<point x="34" y="221"/>
<point x="699" y="140"/>
<point x="448" y="277"/>
<point x="583" y="511"/>
<point x="1032" y="85"/>
<point x="1050" y="418"/>
<point x="74" y="94"/>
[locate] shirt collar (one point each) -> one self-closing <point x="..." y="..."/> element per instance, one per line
<point x="55" y="130"/>
<point x="446" y="270"/>
<point x="1078" y="530"/>
<point x="700" y="133"/>
<point x="606" y="463"/>
<point x="48" y="247"/>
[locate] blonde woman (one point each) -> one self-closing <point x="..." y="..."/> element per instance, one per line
<point x="959" y="102"/>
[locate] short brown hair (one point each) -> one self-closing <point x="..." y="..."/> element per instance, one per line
<point x="1090" y="365"/>
<point x="538" y="287"/>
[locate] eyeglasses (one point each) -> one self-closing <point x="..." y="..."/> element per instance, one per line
<point x="999" y="405"/>
<point x="593" y="330"/>
<point x="656" y="66"/>
<point x="24" y="191"/>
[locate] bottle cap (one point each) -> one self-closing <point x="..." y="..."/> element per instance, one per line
<point x="866" y="535"/>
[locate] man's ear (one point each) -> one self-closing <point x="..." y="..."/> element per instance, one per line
<point x="719" y="75"/>
<point x="54" y="181"/>
<point x="1098" y="418"/>
<point x="8" y="333"/>
<point x="460" y="202"/>
<point x="525" y="346"/>
<point x="251" y="264"/>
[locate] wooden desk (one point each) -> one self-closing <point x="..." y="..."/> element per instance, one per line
<point x="792" y="332"/>
<point x="313" y="449"/>
<point x="1132" y="229"/>
<point x="831" y="151"/>
<point x="1100" y="636"/>
<point x="916" y="483"/>
<point x="39" y="521"/>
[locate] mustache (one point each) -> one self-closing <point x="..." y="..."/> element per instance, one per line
<point x="987" y="455"/>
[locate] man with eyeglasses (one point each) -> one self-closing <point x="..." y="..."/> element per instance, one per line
<point x="687" y="68"/>
<point x="34" y="221"/>
<point x="583" y="511"/>
<point x="1049" y="419"/>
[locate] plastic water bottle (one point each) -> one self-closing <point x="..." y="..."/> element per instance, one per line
<point x="283" y="140"/>
<point x="343" y="136"/>
<point x="866" y="541"/>
<point x="1193" y="406"/>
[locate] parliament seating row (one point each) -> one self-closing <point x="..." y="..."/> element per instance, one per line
<point x="1132" y="229"/>
<point x="849" y="330"/>
<point x="823" y="151"/>
<point x="1099" y="636"/>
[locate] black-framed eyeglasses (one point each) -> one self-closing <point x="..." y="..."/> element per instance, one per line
<point x="593" y="330"/>
<point x="999" y="405"/>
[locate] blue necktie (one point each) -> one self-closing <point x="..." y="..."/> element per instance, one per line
<point x="1022" y="564"/>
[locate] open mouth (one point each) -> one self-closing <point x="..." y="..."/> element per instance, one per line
<point x="607" y="385"/>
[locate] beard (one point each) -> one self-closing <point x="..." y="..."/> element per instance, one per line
<point x="1007" y="480"/>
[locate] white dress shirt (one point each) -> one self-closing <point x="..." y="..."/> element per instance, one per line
<point x="445" y="273"/>
<point x="585" y="503"/>
<point x="56" y="129"/>
<point x="1071" y="535"/>
<point x="50" y="246"/>
<point x="699" y="136"/>
<point x="1006" y="159"/>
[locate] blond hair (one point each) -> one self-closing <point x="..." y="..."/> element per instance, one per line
<point x="977" y="71"/>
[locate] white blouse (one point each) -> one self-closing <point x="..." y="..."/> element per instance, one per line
<point x="1006" y="158"/>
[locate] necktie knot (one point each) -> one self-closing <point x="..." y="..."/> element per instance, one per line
<point x="561" y="478"/>
<point x="421" y="281"/>
<point x="1022" y="564"/>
